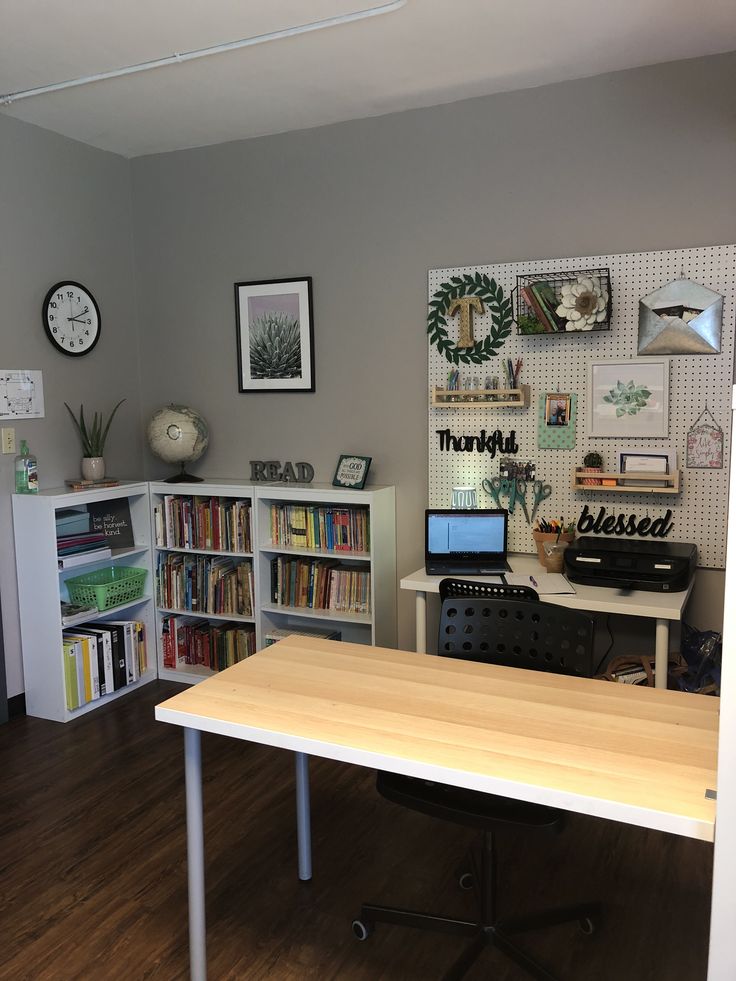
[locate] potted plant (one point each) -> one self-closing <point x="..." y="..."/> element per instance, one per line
<point x="592" y="463"/>
<point x="93" y="437"/>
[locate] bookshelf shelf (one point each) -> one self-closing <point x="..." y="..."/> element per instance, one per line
<point x="199" y="615"/>
<point x="183" y="518"/>
<point x="203" y="551"/>
<point x="495" y="398"/>
<point x="626" y="483"/>
<point x="343" y="554"/>
<point x="334" y="616"/>
<point x="369" y="517"/>
<point x="42" y="588"/>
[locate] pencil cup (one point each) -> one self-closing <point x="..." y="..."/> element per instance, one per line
<point x="540" y="537"/>
<point x="554" y="554"/>
<point x="464" y="498"/>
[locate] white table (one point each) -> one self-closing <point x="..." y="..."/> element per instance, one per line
<point x="650" y="756"/>
<point x="663" y="608"/>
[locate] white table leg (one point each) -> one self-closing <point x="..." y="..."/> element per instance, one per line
<point x="661" y="652"/>
<point x="421" y="617"/>
<point x="195" y="855"/>
<point x="303" y="817"/>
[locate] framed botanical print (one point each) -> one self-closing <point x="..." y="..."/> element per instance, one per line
<point x="275" y="335"/>
<point x="629" y="397"/>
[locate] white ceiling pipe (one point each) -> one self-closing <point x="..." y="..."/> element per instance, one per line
<point x="174" y="59"/>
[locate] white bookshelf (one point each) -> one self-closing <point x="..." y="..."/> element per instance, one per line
<point x="42" y="587"/>
<point x="231" y="490"/>
<point x="377" y="627"/>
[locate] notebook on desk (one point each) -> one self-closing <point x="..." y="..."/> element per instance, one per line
<point x="465" y="543"/>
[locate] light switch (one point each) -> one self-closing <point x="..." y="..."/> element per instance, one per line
<point x="8" y="439"/>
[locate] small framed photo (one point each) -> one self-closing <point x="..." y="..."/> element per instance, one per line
<point x="629" y="398"/>
<point x="351" y="471"/>
<point x="275" y="335"/>
<point x="557" y="410"/>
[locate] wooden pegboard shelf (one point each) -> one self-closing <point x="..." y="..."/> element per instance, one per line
<point x="495" y="398"/>
<point x="627" y="483"/>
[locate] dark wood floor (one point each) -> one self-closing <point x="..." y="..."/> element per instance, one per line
<point x="93" y="878"/>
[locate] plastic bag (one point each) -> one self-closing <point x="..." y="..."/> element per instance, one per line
<point x="701" y="654"/>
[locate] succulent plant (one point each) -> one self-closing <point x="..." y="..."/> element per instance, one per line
<point x="628" y="399"/>
<point x="593" y="460"/>
<point x="275" y="346"/>
<point x="93" y="436"/>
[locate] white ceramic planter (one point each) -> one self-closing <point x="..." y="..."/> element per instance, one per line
<point x="93" y="467"/>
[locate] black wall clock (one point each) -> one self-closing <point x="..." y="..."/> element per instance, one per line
<point x="71" y="318"/>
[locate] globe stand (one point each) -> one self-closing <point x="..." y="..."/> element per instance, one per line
<point x="183" y="478"/>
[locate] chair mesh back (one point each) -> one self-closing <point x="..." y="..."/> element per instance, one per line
<point x="517" y="632"/>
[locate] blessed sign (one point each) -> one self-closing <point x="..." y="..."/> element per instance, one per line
<point x="622" y="524"/>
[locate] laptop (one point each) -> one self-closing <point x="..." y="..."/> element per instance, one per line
<point x="466" y="543"/>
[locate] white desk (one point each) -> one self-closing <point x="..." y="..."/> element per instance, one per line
<point x="663" y="608"/>
<point x="628" y="754"/>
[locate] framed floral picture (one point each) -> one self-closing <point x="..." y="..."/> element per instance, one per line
<point x="629" y="398"/>
<point x="275" y="335"/>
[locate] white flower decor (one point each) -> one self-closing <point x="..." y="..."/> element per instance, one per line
<point x="583" y="304"/>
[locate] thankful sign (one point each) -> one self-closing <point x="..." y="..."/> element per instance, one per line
<point x="482" y="443"/>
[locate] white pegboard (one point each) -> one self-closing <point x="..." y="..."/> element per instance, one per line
<point x="560" y="363"/>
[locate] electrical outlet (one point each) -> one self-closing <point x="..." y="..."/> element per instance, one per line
<point x="8" y="440"/>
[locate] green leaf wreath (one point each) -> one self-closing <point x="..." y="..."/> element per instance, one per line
<point x="492" y="295"/>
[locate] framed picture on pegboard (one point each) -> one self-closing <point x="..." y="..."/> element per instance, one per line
<point x="556" y="423"/>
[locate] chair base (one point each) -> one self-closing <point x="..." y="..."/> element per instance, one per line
<point x="497" y="934"/>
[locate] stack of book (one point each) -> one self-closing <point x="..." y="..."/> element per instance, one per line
<point x="79" y="549"/>
<point x="322" y="528"/>
<point x="542" y="301"/>
<point x="204" y="584"/>
<point x="186" y="642"/>
<point x="102" y="657"/>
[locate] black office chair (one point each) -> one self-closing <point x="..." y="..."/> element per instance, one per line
<point x="500" y="625"/>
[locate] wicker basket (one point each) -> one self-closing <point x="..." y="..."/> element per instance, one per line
<point x="107" y="587"/>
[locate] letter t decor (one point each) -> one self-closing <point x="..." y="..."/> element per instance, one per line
<point x="466" y="305"/>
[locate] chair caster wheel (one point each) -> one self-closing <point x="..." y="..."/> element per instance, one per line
<point x="587" y="925"/>
<point x="362" y="929"/>
<point x="465" y="880"/>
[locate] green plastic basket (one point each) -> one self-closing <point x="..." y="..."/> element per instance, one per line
<point x="107" y="587"/>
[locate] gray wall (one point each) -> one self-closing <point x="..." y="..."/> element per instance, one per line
<point x="625" y="162"/>
<point x="632" y="161"/>
<point x="65" y="212"/>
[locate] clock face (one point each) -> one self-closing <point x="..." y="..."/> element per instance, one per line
<point x="71" y="318"/>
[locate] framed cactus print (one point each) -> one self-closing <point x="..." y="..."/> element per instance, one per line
<point x="275" y="335"/>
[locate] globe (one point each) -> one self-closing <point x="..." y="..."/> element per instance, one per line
<point x="178" y="434"/>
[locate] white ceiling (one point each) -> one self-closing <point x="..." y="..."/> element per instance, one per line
<point x="428" y="52"/>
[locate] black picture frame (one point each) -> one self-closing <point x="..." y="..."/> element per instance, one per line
<point x="350" y="466"/>
<point x="275" y="335"/>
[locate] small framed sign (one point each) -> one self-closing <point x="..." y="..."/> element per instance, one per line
<point x="351" y="471"/>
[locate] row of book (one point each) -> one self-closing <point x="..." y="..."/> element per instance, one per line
<point x="321" y="528"/>
<point x="542" y="302"/>
<point x="186" y="642"/>
<point x="204" y="584"/>
<point x="220" y="523"/>
<point x="320" y="584"/>
<point x="102" y="657"/>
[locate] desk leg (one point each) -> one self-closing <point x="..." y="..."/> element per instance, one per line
<point x="303" y="819"/>
<point x="661" y="652"/>
<point x="421" y="616"/>
<point x="195" y="855"/>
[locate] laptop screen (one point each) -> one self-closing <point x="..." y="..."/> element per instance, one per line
<point x="465" y="534"/>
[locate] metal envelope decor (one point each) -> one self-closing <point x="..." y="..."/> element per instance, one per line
<point x="681" y="318"/>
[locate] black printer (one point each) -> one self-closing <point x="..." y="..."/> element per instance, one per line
<point x="657" y="566"/>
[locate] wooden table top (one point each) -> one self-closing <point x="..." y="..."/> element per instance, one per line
<point x="637" y="755"/>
